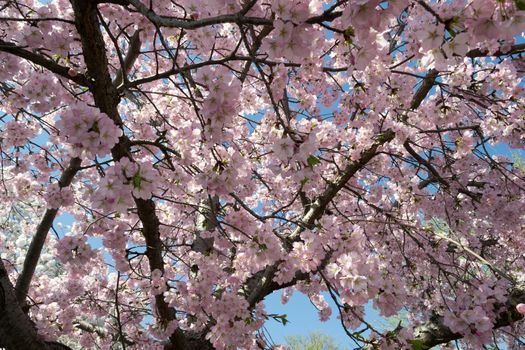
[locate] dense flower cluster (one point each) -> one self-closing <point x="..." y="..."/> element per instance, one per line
<point x="473" y="314"/>
<point x="15" y="134"/>
<point x="221" y="103"/>
<point x="88" y="130"/>
<point x="74" y="249"/>
<point x="57" y="196"/>
<point x="124" y="181"/>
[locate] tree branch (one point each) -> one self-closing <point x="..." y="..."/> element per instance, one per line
<point x="16" y="329"/>
<point x="238" y="18"/>
<point x="513" y="50"/>
<point x="42" y="61"/>
<point x="262" y="284"/>
<point x="37" y="243"/>
<point x="426" y="86"/>
<point x="129" y="60"/>
<point x="434" y="332"/>
<point x="107" y="100"/>
<point x="164" y="21"/>
<point x="432" y="172"/>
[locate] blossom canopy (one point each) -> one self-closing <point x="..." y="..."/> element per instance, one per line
<point x="165" y="166"/>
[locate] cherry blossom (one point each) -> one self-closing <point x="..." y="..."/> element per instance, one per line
<point x="57" y="196"/>
<point x="166" y="167"/>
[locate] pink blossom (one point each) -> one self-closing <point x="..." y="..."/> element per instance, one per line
<point x="88" y="129"/>
<point x="431" y="37"/>
<point x="342" y="149"/>
<point x="16" y="134"/>
<point x="57" y="196"/>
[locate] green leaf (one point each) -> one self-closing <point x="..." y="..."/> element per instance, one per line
<point x="519" y="162"/>
<point x="304" y="181"/>
<point x="313" y="160"/>
<point x="280" y="318"/>
<point x="349" y="36"/>
<point x="137" y="181"/>
<point x="520" y="4"/>
<point x="284" y="320"/>
<point x="418" y="345"/>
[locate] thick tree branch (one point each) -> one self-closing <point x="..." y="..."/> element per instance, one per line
<point x="17" y="332"/>
<point x="88" y="327"/>
<point x="513" y="50"/>
<point x="238" y="18"/>
<point x="42" y="61"/>
<point x="319" y="206"/>
<point x="129" y="60"/>
<point x="206" y="221"/>
<point x="164" y="21"/>
<point x="107" y="99"/>
<point x="262" y="284"/>
<point x="435" y="333"/>
<point x="37" y="243"/>
<point x="426" y="86"/>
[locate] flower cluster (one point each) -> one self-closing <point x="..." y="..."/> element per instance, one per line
<point x="233" y="330"/>
<point x="325" y="311"/>
<point x="74" y="249"/>
<point x="115" y="237"/>
<point x="88" y="130"/>
<point x="115" y="241"/>
<point x="58" y="196"/>
<point x="354" y="274"/>
<point x="221" y="103"/>
<point x="474" y="312"/>
<point x="292" y="36"/>
<point x="123" y="181"/>
<point x="15" y="134"/>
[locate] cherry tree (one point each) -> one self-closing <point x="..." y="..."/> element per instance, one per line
<point x="211" y="153"/>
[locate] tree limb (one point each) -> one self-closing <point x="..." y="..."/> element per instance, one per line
<point x="164" y="21"/>
<point x="17" y="331"/>
<point x="514" y="49"/>
<point x="37" y="243"/>
<point x="42" y="61"/>
<point x="434" y="332"/>
<point x="129" y="60"/>
<point x="238" y="18"/>
<point x="261" y="284"/>
<point x="107" y="100"/>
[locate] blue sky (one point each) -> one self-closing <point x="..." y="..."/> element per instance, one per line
<point x="303" y="319"/>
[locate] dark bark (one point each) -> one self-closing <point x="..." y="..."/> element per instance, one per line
<point x="434" y="332"/>
<point x="37" y="243"/>
<point x="42" y="61"/>
<point x="107" y="99"/>
<point x="17" y="331"/>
